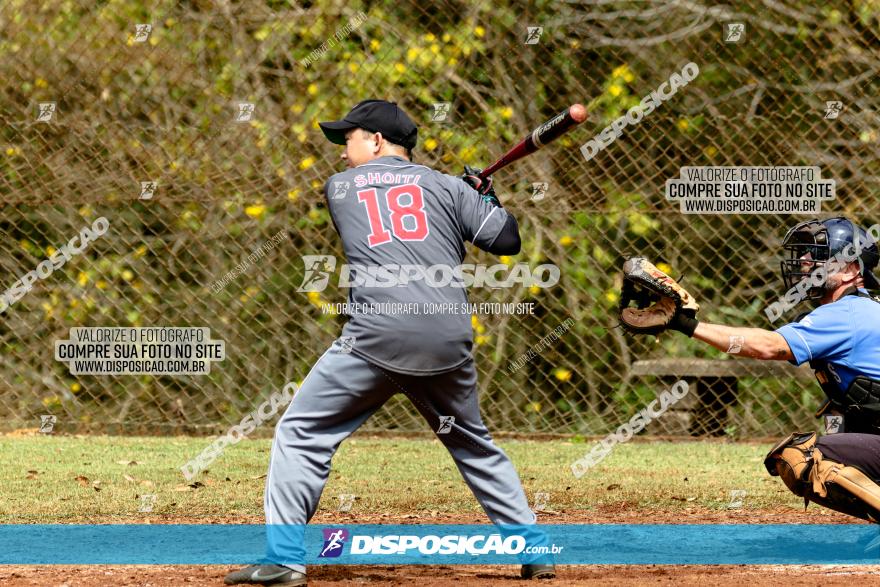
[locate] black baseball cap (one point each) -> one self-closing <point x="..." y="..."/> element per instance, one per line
<point x="374" y="116"/>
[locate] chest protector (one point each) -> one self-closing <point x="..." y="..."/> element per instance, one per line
<point x="860" y="403"/>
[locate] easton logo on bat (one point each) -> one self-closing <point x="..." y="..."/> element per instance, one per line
<point x="536" y="136"/>
<point x="559" y="124"/>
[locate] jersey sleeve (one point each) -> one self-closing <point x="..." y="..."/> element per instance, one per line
<point x="823" y="334"/>
<point x="481" y="222"/>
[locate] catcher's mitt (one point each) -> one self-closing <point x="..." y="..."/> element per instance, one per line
<point x="660" y="302"/>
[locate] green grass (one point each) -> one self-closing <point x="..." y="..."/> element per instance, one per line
<point x="389" y="475"/>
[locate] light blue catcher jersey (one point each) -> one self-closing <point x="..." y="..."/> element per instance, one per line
<point x="845" y="334"/>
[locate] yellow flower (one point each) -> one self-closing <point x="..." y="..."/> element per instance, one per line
<point x="479" y="31"/>
<point x="683" y="124"/>
<point x="315" y="183"/>
<point x="314" y="297"/>
<point x="280" y="172"/>
<point x="619" y="70"/>
<point x="504" y="259"/>
<point x="412" y="53"/>
<point x="710" y="151"/>
<point x="467" y="153"/>
<point x="301" y="137"/>
<point x="101" y="284"/>
<point x="10" y="151"/>
<point x="435" y="48"/>
<point x="562" y="374"/>
<point x="353" y="67"/>
<point x="475" y="324"/>
<point x="154" y="41"/>
<point x="255" y="210"/>
<point x="127" y="275"/>
<point x="141" y="251"/>
<point x="429" y="37"/>
<point x="446" y="37"/>
<point x="430" y="145"/>
<point x="612" y="296"/>
<point x="628" y="77"/>
<point x="306" y="163"/>
<point x="452" y="61"/>
<point x="506" y="112"/>
<point x="293" y="195"/>
<point x="314" y="214"/>
<point x="481" y="340"/>
<point x="312" y="90"/>
<point x="566" y="240"/>
<point x="50" y="249"/>
<point x="41" y="83"/>
<point x="664" y="267"/>
<point x="535" y="406"/>
<point x="297" y="108"/>
<point x="534" y="290"/>
<point x="74" y="387"/>
<point x="374" y="45"/>
<point x="399" y="67"/>
<point x="615" y="90"/>
<point x="82" y="279"/>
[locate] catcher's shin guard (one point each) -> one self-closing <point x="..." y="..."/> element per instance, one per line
<point x="834" y="485"/>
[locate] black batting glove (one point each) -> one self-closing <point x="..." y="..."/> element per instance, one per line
<point x="484" y="187"/>
<point x="684" y="321"/>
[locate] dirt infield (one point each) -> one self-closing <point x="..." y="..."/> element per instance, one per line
<point x="718" y="576"/>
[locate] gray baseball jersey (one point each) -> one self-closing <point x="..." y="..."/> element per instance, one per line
<point x="391" y="213"/>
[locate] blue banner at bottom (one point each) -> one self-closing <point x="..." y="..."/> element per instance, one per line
<point x="373" y="544"/>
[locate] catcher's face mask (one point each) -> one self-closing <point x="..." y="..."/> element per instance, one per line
<point x="806" y="249"/>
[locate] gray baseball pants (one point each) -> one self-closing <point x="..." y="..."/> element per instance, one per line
<point x="339" y="394"/>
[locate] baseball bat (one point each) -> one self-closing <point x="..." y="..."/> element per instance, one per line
<point x="543" y="135"/>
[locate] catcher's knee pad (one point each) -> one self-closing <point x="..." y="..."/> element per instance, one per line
<point x="808" y="474"/>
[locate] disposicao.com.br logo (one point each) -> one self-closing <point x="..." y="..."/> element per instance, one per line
<point x="334" y="543"/>
<point x="319" y="268"/>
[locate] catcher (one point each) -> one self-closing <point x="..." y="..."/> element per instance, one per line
<point x="840" y="339"/>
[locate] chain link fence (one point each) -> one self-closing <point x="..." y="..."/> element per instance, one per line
<point x="154" y="94"/>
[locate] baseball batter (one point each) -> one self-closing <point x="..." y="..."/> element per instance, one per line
<point x="840" y="339"/>
<point x="391" y="212"/>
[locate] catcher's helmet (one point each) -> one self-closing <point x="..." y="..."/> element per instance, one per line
<point x="813" y="243"/>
